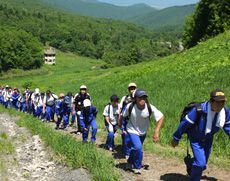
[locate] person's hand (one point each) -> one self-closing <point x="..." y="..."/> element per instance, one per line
<point x="59" y="116"/>
<point x="155" y="136"/>
<point x="174" y="143"/>
<point x="85" y="129"/>
<point x="79" y="113"/>
<point x="124" y="132"/>
<point x="110" y="128"/>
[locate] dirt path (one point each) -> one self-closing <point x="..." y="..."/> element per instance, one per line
<point x="31" y="161"/>
<point x="160" y="168"/>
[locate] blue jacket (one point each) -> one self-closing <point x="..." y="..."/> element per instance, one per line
<point x="196" y="130"/>
<point x="88" y="115"/>
<point x="15" y="96"/>
<point x="59" y="107"/>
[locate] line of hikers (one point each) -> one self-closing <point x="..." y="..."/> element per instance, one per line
<point x="132" y="115"/>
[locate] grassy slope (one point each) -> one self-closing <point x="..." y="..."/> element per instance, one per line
<point x="172" y="16"/>
<point x="171" y="82"/>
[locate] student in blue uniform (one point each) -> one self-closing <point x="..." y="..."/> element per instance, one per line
<point x="68" y="100"/>
<point x="60" y="111"/>
<point x="214" y="115"/>
<point x="138" y="116"/>
<point x="50" y="100"/>
<point x="126" y="145"/>
<point x="78" y="104"/>
<point x="111" y="120"/>
<point x="15" y="95"/>
<point x="87" y="120"/>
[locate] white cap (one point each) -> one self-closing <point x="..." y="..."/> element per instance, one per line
<point x="86" y="103"/>
<point x="36" y="91"/>
<point x="132" y="85"/>
<point x="83" y="87"/>
<point x="6" y="86"/>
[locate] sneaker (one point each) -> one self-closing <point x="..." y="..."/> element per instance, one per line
<point x="137" y="171"/>
<point x="126" y="157"/>
<point x="78" y="133"/>
<point x="128" y="166"/>
<point x="110" y="149"/>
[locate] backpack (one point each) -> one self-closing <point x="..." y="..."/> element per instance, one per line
<point x="132" y="105"/>
<point x="189" y="107"/>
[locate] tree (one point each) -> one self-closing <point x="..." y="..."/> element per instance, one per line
<point x="19" y="50"/>
<point x="210" y="18"/>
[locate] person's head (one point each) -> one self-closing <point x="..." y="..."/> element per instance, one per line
<point x="42" y="93"/>
<point x="132" y="87"/>
<point x="69" y="94"/>
<point x="48" y="92"/>
<point x="86" y="104"/>
<point x="61" y="96"/>
<point x="36" y="91"/>
<point x="114" y="100"/>
<point x="217" y="99"/>
<point x="140" y="97"/>
<point x="83" y="89"/>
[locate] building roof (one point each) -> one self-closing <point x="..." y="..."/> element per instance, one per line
<point x="50" y="51"/>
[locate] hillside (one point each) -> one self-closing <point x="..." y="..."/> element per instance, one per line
<point x="99" y="9"/>
<point x="171" y="82"/>
<point x="140" y="13"/>
<point x="172" y="16"/>
<point x="116" y="42"/>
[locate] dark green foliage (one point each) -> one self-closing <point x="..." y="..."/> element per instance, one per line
<point x="210" y="18"/>
<point x="19" y="49"/>
<point x="116" y="42"/>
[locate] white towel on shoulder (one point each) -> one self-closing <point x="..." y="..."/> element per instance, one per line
<point x="221" y="118"/>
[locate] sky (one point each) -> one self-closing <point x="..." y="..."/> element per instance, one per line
<point x="153" y="3"/>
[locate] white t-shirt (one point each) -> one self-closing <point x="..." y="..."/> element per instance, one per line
<point x="50" y="100"/>
<point x="113" y="115"/>
<point x="139" y="122"/>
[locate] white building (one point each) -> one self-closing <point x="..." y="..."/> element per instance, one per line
<point x="49" y="56"/>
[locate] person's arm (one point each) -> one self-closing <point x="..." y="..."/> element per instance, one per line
<point x="123" y="115"/>
<point x="185" y="124"/>
<point x="156" y="132"/>
<point x="106" y="114"/>
<point x="227" y="123"/>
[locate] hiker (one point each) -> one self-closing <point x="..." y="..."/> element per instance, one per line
<point x="15" y="95"/>
<point x="8" y="97"/>
<point x="1" y="95"/>
<point x="111" y="120"/>
<point x="125" y="137"/>
<point x="60" y="111"/>
<point x="35" y="98"/>
<point x="138" y="116"/>
<point x="22" y="102"/>
<point x="78" y="104"/>
<point x="50" y="100"/>
<point x="68" y="103"/>
<point x="28" y="100"/>
<point x="201" y="125"/>
<point x="87" y="120"/>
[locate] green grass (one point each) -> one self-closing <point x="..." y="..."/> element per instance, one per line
<point x="171" y="83"/>
<point x="74" y="153"/>
<point x="6" y="148"/>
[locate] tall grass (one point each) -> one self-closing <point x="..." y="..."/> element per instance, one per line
<point x="76" y="154"/>
<point x="171" y="83"/>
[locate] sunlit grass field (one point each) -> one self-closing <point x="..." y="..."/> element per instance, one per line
<point x="171" y="83"/>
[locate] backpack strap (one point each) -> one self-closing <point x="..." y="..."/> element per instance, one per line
<point x="148" y="106"/>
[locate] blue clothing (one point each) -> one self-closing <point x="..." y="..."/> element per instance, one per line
<point x="136" y="153"/>
<point x="50" y="112"/>
<point x="39" y="112"/>
<point x="15" y="97"/>
<point x="200" y="142"/>
<point x="87" y="119"/>
<point x="110" y="136"/>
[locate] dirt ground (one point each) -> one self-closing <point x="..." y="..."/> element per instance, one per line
<point x="32" y="161"/>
